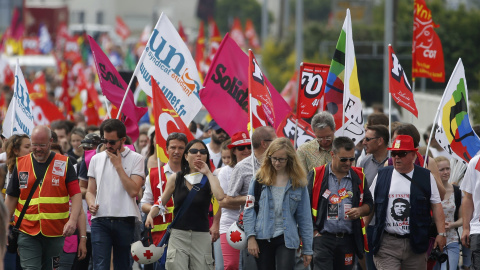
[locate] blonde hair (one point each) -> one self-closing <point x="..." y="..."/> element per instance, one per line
<point x="267" y="173"/>
<point x="442" y="158"/>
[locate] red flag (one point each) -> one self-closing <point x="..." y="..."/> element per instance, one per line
<point x="182" y="34"/>
<point x="31" y="46"/>
<point x="72" y="50"/>
<point x="398" y="84"/>
<point x="121" y="28"/>
<point x="6" y="73"/>
<point x="200" y="50"/>
<point x="289" y="92"/>
<point x="312" y="89"/>
<point x="166" y="121"/>
<point x="43" y="110"/>
<point x="427" y="51"/>
<point x="252" y="36"/>
<point x="236" y="33"/>
<point x="214" y="39"/>
<point x="287" y="129"/>
<point x="39" y="86"/>
<point x="66" y="98"/>
<point x="260" y="101"/>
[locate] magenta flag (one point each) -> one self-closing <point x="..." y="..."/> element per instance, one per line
<point x="225" y="95"/>
<point x="113" y="87"/>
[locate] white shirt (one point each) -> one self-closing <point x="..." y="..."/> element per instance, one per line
<point x="398" y="209"/>
<point x="215" y="157"/>
<point x="229" y="216"/>
<point x="148" y="193"/>
<point x="471" y="185"/>
<point x="112" y="198"/>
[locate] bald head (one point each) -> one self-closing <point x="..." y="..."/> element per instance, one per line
<point x="42" y="131"/>
<point x="41" y="142"/>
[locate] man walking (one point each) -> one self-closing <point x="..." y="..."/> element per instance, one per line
<point x="47" y="220"/>
<point x="404" y="194"/>
<point x="115" y="177"/>
<point x="340" y="198"/>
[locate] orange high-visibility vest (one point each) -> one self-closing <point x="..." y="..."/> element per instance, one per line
<point x="160" y="226"/>
<point x="48" y="210"/>
<point x="319" y="173"/>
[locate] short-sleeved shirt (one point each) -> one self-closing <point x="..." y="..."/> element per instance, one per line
<point x="471" y="185"/>
<point x="229" y="216"/>
<point x="113" y="199"/>
<point x="370" y="167"/>
<point x="13" y="188"/>
<point x="398" y="209"/>
<point x="312" y="155"/>
<point x="241" y="176"/>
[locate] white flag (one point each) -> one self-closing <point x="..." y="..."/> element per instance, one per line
<point x="169" y="61"/>
<point x="352" y="100"/>
<point x="19" y="118"/>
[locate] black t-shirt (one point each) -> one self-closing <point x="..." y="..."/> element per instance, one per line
<point x="195" y="218"/>
<point x="40" y="169"/>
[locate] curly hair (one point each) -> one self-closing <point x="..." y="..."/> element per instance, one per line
<point x="267" y="174"/>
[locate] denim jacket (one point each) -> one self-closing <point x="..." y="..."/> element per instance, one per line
<point x="296" y="213"/>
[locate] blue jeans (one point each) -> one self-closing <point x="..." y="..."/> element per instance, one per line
<point x="453" y="252"/>
<point x="112" y="232"/>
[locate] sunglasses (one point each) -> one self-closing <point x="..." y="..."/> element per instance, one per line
<point x="195" y="151"/>
<point x="218" y="131"/>
<point x="399" y="154"/>
<point x="344" y="159"/>
<point x="111" y="142"/>
<point x="242" y="147"/>
<point x="369" y="139"/>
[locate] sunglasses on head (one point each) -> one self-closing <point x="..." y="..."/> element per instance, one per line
<point x="344" y="159"/>
<point x="195" y="151"/>
<point x="242" y="147"/>
<point x="399" y="154"/>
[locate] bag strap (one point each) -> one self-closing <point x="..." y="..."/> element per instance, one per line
<point x="29" y="198"/>
<point x="257" y="193"/>
<point x="414" y="182"/>
<point x="188" y="201"/>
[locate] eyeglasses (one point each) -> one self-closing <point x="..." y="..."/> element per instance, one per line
<point x="218" y="131"/>
<point x="195" y="151"/>
<point x="111" y="142"/>
<point x="369" y="139"/>
<point x="243" y="147"/>
<point x="43" y="145"/>
<point x="344" y="159"/>
<point x="399" y="154"/>
<point x="326" y="139"/>
<point x="281" y="160"/>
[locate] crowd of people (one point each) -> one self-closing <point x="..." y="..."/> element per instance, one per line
<point x="78" y="197"/>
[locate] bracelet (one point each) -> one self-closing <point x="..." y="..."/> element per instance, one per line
<point x="83" y="236"/>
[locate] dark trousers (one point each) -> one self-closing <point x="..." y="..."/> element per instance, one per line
<point x="83" y="264"/>
<point x="274" y="255"/>
<point x="369" y="255"/>
<point x="331" y="252"/>
<point x="475" y="247"/>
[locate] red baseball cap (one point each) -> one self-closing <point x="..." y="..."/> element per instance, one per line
<point x="239" y="139"/>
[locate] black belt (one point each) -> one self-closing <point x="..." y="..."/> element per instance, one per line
<point x="338" y="235"/>
<point x="126" y="219"/>
<point x="401" y="236"/>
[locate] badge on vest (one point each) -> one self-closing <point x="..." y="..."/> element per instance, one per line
<point x="23" y="179"/>
<point x="326" y="193"/>
<point x="332" y="212"/>
<point x="343" y="193"/>
<point x="59" y="167"/>
<point x="335" y="199"/>
<point x="55" y="181"/>
<point x="346" y="208"/>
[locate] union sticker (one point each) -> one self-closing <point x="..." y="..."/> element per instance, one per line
<point x="250" y="202"/>
<point x="59" y="167"/>
<point x="348" y="259"/>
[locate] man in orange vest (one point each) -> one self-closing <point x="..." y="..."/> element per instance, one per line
<point x="47" y="220"/>
<point x="340" y="198"/>
<point x="176" y="143"/>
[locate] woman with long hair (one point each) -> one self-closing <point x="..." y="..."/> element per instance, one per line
<point x="284" y="213"/>
<point x="190" y="246"/>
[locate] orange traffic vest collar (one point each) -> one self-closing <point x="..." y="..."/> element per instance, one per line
<point x="48" y="210"/>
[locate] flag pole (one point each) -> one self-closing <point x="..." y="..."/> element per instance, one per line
<point x="15" y="88"/>
<point x="250" y="131"/>
<point x="160" y="177"/>
<point x="298" y="93"/>
<point x="413" y="94"/>
<point x="345" y="69"/>
<point x="128" y="88"/>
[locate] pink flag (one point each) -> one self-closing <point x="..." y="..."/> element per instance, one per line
<point x="226" y="89"/>
<point x="113" y="87"/>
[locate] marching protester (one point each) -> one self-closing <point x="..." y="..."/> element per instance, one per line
<point x="453" y="216"/>
<point x="115" y="177"/>
<point x="76" y="137"/>
<point x="283" y="216"/>
<point x="189" y="246"/>
<point x="42" y="232"/>
<point x="339" y="198"/>
<point x="402" y="204"/>
<point x="316" y="152"/>
<point x="239" y="149"/>
<point x="218" y="135"/>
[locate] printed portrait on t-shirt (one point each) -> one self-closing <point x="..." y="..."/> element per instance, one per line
<point x="400" y="210"/>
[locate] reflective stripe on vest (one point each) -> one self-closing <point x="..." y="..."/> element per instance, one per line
<point x="48" y="210"/>
<point x="159" y="224"/>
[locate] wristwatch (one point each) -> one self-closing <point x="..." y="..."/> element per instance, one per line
<point x="443" y="234"/>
